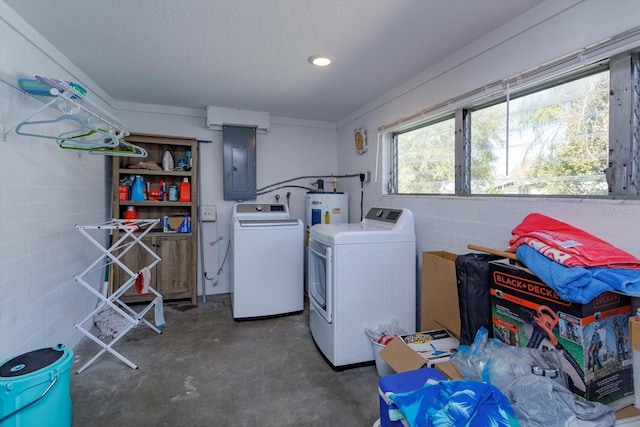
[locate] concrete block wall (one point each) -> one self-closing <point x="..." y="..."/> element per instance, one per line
<point x="44" y="192"/>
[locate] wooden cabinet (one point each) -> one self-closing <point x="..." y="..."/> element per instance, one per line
<point x="175" y="277"/>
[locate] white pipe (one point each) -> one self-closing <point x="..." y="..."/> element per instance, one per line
<point x="200" y="233"/>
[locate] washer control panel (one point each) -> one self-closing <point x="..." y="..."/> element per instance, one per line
<point x="259" y="208"/>
<point x="384" y="214"/>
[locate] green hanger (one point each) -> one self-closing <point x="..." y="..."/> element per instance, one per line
<point x="123" y="149"/>
<point x="95" y="138"/>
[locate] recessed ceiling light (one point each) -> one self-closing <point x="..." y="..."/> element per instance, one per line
<point x="320" y="60"/>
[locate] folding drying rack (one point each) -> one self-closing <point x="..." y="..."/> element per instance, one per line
<point x="133" y="230"/>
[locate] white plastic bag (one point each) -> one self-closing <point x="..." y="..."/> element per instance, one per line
<point x="492" y="361"/>
<point x="385" y="332"/>
<point x="541" y="402"/>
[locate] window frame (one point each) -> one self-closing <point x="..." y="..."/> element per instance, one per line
<point x="623" y="171"/>
<point x="393" y="181"/>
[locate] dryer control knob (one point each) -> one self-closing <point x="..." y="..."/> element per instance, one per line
<point x="259" y="208"/>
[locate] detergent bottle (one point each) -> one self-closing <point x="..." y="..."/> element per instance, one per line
<point x="138" y="189"/>
<point x="185" y="191"/>
<point x="131" y="213"/>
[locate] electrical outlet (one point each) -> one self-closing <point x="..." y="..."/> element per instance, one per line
<point x="208" y="213"/>
<point x="368" y="177"/>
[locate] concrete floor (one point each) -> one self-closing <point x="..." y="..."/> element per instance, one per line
<point x="207" y="370"/>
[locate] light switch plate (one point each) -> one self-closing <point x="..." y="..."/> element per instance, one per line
<point x="208" y="213"/>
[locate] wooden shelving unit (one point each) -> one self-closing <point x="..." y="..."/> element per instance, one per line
<point x="176" y="276"/>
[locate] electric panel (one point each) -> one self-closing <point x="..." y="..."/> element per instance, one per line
<point x="239" y="162"/>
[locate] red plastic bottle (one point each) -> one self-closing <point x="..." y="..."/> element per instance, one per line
<point x="131" y="213"/>
<point x="185" y="191"/>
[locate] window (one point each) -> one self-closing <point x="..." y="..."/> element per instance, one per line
<point x="550" y="137"/>
<point x="425" y="160"/>
<point x="553" y="141"/>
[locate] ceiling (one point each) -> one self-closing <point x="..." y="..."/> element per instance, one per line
<point x="252" y="54"/>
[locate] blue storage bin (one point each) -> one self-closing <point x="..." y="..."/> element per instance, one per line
<point x="35" y="390"/>
<point x="398" y="383"/>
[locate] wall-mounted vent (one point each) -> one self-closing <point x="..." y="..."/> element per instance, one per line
<point x="218" y="117"/>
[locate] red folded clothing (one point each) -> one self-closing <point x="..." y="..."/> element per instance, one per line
<point x="568" y="245"/>
<point x="143" y="280"/>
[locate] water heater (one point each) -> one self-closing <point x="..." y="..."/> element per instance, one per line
<point x="325" y="208"/>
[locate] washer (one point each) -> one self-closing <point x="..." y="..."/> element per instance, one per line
<point x="267" y="257"/>
<point x="360" y="276"/>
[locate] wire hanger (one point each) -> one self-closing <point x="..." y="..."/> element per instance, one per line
<point x="94" y="137"/>
<point x="99" y="137"/>
<point x="26" y="124"/>
<point x="122" y="149"/>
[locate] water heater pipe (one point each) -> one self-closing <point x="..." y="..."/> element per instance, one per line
<point x="201" y="234"/>
<point x="268" y="187"/>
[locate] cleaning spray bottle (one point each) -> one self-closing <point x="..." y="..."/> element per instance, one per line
<point x="161" y="192"/>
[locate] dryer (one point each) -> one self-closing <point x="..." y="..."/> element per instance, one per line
<point x="267" y="274"/>
<point x="360" y="276"/>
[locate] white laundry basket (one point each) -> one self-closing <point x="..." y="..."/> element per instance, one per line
<point x="382" y="367"/>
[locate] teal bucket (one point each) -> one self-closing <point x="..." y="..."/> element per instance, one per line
<point x="34" y="389"/>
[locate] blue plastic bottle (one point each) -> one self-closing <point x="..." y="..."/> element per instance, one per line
<point x="138" y="189"/>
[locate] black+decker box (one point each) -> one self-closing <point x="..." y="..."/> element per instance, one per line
<point x="595" y="338"/>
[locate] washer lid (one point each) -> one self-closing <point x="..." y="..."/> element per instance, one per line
<point x="380" y="225"/>
<point x="268" y="222"/>
<point x="344" y="234"/>
<point x="30" y="362"/>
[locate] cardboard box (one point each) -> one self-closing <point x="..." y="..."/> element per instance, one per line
<point x="594" y="336"/>
<point x="439" y="300"/>
<point x="449" y="369"/>
<point x="439" y="317"/>
<point x="634" y="330"/>
<point x="176" y="224"/>
<point x="422" y="349"/>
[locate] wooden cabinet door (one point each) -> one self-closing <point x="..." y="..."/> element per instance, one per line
<point x="175" y="272"/>
<point x="135" y="259"/>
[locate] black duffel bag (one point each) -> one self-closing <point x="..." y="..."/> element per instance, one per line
<point x="474" y="298"/>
